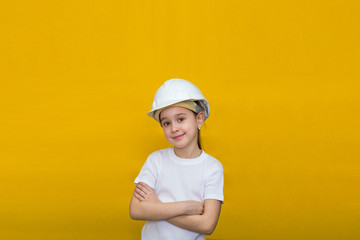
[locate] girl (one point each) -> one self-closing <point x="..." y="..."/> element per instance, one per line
<point x="179" y="190"/>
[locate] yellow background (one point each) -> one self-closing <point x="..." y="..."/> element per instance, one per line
<point x="78" y="77"/>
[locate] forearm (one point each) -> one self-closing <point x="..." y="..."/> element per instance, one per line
<point x="195" y="223"/>
<point x="154" y="211"/>
<point x="205" y="223"/>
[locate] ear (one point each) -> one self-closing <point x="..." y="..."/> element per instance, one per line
<point x="200" y="119"/>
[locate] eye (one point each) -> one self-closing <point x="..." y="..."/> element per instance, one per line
<point x="166" y="124"/>
<point x="181" y="119"/>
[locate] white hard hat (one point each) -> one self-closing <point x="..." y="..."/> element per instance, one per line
<point x="175" y="91"/>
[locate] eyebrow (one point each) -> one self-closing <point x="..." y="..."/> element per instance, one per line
<point x="162" y="119"/>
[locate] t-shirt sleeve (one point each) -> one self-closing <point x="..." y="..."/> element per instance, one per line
<point x="214" y="183"/>
<point x="148" y="173"/>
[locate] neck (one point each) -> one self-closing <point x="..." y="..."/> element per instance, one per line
<point x="190" y="152"/>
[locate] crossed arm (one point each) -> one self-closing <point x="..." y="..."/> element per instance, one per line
<point x="191" y="215"/>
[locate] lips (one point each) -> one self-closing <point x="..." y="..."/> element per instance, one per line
<point x="178" y="136"/>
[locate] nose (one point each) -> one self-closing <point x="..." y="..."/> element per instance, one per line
<point x="174" y="127"/>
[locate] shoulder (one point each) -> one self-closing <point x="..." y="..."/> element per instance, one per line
<point x="158" y="156"/>
<point x="159" y="153"/>
<point x="213" y="163"/>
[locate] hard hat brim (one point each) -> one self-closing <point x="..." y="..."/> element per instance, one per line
<point x="203" y="102"/>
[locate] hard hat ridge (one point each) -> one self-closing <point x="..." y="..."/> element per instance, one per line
<point x="175" y="91"/>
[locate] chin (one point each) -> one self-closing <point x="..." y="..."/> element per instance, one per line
<point x="179" y="146"/>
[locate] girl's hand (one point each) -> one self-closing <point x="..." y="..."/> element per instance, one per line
<point x="194" y="208"/>
<point x="144" y="192"/>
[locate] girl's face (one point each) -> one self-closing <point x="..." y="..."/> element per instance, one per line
<point x="180" y="126"/>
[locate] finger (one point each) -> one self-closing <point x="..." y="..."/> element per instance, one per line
<point x="138" y="196"/>
<point x="147" y="187"/>
<point x="144" y="185"/>
<point x="140" y="186"/>
<point x="143" y="188"/>
<point x="140" y="191"/>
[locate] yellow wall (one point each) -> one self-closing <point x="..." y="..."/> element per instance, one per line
<point x="78" y="77"/>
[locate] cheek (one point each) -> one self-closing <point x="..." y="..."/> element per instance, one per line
<point x="166" y="132"/>
<point x="191" y="129"/>
<point x="194" y="126"/>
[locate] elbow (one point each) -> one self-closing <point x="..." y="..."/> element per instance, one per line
<point x="208" y="229"/>
<point x="134" y="213"/>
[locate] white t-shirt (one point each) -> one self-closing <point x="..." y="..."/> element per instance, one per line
<point x="178" y="179"/>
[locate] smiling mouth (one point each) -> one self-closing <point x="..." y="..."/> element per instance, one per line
<point x="178" y="136"/>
